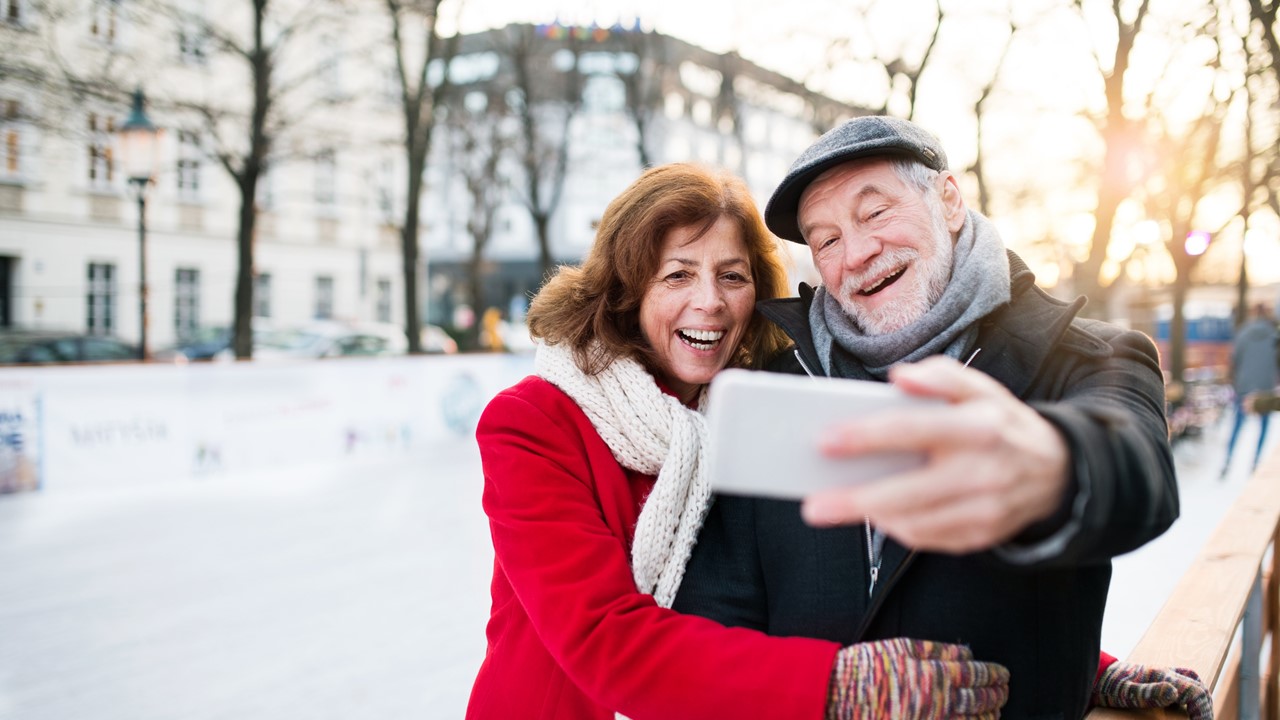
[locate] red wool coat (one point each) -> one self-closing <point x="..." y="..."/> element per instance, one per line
<point x="569" y="636"/>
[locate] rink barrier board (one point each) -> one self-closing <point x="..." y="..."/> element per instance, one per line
<point x="99" y="427"/>
<point x="1223" y="610"/>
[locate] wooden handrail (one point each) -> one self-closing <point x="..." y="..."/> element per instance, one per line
<point x="1196" y="628"/>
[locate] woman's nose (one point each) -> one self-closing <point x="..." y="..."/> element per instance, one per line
<point x="709" y="296"/>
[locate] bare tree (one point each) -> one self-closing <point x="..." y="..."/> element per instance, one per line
<point x="1263" y="13"/>
<point x="544" y="103"/>
<point x="245" y="135"/>
<point x="481" y="141"/>
<point x="902" y="68"/>
<point x="643" y="83"/>
<point x="979" y="113"/>
<point x="1189" y="162"/>
<point x="420" y="98"/>
<point x="1119" y="137"/>
<point x="59" y="89"/>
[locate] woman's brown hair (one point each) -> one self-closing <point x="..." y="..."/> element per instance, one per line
<point x="595" y="308"/>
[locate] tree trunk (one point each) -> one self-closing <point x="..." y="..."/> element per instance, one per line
<point x="409" y="251"/>
<point x="1087" y="274"/>
<point x="242" y="337"/>
<point x="259" y="143"/>
<point x="1178" y="328"/>
<point x="541" y="223"/>
<point x="477" y="301"/>
<point x="1242" y="292"/>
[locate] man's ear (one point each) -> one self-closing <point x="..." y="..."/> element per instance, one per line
<point x="952" y="202"/>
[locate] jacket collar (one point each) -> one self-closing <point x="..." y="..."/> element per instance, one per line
<point x="1015" y="340"/>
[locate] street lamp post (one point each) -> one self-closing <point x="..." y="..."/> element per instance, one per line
<point x="138" y="152"/>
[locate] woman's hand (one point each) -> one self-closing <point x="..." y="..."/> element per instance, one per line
<point x="914" y="680"/>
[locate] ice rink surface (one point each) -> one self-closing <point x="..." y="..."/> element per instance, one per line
<point x="353" y="592"/>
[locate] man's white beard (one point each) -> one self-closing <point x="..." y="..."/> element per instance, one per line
<point x="928" y="278"/>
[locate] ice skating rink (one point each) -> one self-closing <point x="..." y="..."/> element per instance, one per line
<point x="355" y="590"/>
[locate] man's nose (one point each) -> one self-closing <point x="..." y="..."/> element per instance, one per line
<point x="858" y="249"/>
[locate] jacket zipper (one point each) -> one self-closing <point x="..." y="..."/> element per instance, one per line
<point x="878" y="602"/>
<point x="803" y="364"/>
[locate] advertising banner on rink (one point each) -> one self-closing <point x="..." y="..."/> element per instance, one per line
<point x="20" y="437"/>
<point x="66" y="429"/>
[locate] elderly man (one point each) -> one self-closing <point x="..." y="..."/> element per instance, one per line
<point x="1049" y="457"/>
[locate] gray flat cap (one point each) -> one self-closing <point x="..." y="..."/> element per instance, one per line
<point x="857" y="138"/>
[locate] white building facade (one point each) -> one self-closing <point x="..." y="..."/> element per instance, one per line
<point x="327" y="243"/>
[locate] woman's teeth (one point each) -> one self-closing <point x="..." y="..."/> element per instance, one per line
<point x="701" y="339"/>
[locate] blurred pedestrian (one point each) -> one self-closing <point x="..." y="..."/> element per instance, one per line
<point x="1255" y="368"/>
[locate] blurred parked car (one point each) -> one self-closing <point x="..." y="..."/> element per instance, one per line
<point x="328" y="338"/>
<point x="203" y="344"/>
<point x="52" y="346"/>
<point x="209" y="343"/>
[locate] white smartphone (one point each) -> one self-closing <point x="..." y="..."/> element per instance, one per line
<point x="764" y="429"/>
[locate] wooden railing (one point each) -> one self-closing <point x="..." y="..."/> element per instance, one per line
<point x="1223" y="610"/>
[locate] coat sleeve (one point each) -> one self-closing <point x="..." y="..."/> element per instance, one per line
<point x="1124" y="490"/>
<point x="572" y="577"/>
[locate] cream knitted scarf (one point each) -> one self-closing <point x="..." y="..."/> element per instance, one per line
<point x="651" y="432"/>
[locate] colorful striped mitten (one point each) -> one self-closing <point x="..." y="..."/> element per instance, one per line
<point x="1125" y="685"/>
<point x="914" y="680"/>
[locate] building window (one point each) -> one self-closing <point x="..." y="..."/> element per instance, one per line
<point x="191" y="45"/>
<point x="186" y="302"/>
<point x="262" y="295"/>
<point x="383" y="308"/>
<point x="324" y="297"/>
<point x="604" y="94"/>
<point x="104" y="20"/>
<point x="326" y="177"/>
<point x="386" y="191"/>
<point x="188" y="164"/>
<point x="13" y="12"/>
<point x="329" y="72"/>
<point x="101" y="163"/>
<point x="10" y="138"/>
<point x="100" y="310"/>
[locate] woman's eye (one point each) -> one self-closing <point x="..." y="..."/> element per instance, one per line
<point x="677" y="276"/>
<point x="735" y="277"/>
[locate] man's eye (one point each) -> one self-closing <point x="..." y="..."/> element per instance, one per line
<point x="828" y="242"/>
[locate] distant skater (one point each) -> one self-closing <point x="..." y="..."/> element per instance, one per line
<point x="1254" y="369"/>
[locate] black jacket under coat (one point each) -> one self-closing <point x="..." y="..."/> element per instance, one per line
<point x="757" y="564"/>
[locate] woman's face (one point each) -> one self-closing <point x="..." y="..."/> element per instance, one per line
<point x="698" y="305"/>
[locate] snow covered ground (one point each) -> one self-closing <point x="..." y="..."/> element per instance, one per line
<point x="354" y="591"/>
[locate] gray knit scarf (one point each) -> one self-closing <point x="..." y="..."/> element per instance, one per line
<point x="979" y="284"/>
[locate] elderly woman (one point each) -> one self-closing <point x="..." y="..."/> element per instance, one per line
<point x="595" y="492"/>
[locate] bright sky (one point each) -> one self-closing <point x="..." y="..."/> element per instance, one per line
<point x="709" y="23"/>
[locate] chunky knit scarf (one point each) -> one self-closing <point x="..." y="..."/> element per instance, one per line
<point x="650" y="432"/>
<point x="979" y="284"/>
